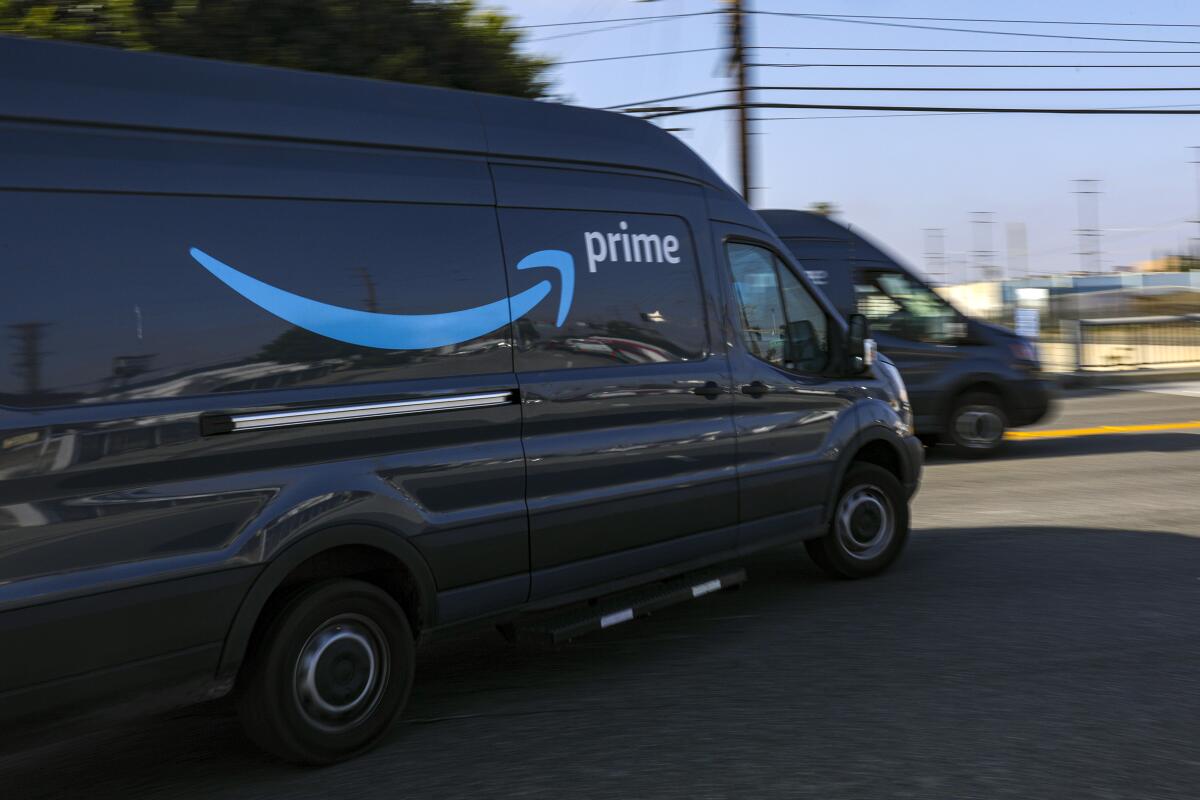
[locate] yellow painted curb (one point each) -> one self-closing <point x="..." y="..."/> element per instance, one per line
<point x="1100" y="430"/>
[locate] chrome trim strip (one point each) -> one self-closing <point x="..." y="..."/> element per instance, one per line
<point x="311" y="416"/>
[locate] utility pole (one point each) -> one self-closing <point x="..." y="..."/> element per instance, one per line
<point x="1196" y="241"/>
<point x="1018" y="250"/>
<point x="981" y="223"/>
<point x="737" y="44"/>
<point x="935" y="254"/>
<point x="1087" y="190"/>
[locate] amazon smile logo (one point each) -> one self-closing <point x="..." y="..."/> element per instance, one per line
<point x="401" y="331"/>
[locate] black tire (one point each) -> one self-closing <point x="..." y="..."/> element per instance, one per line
<point x="338" y="644"/>
<point x="976" y="425"/>
<point x="850" y="548"/>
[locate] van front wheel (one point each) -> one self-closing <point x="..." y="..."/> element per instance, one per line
<point x="331" y="673"/>
<point x="976" y="426"/>
<point x="869" y="526"/>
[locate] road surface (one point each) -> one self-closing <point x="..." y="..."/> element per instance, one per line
<point x="1039" y="639"/>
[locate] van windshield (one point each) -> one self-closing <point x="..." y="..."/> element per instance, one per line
<point x="898" y="304"/>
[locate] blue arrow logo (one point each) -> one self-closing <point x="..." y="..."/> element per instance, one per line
<point x="400" y="331"/>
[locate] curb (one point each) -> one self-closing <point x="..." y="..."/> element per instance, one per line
<point x="1077" y="380"/>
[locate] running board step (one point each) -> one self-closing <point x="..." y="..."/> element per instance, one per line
<point x="612" y="610"/>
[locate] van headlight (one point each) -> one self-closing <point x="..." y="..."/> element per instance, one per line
<point x="897" y="392"/>
<point x="1024" y="352"/>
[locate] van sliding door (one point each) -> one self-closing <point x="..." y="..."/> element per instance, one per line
<point x="626" y="410"/>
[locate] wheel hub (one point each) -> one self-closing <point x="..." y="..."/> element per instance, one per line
<point x="979" y="426"/>
<point x="865" y="523"/>
<point x="341" y="672"/>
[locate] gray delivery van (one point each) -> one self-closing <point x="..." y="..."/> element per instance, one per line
<point x="303" y="370"/>
<point x="969" y="380"/>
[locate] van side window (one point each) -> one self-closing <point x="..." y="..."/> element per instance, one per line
<point x="624" y="289"/>
<point x="897" y="304"/>
<point x="808" y="327"/>
<point x="781" y="322"/>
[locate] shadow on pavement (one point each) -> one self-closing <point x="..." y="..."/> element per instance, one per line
<point x="1102" y="444"/>
<point x="992" y="662"/>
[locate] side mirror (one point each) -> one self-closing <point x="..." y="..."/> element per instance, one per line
<point x="860" y="347"/>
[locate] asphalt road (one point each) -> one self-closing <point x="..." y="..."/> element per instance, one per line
<point x="1039" y="639"/>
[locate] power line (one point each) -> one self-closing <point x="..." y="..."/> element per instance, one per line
<point x="1026" y="50"/>
<point x="614" y="19"/>
<point x="1109" y="234"/>
<point x="908" y="89"/>
<point x="988" y="88"/>
<point x="988" y="66"/>
<point x="590" y="31"/>
<point x="929" y="114"/>
<point x="951" y="89"/>
<point x="1070" y="51"/>
<point x="672" y="97"/>
<point x="911" y="26"/>
<point x="641" y="55"/>
<point x="870" y="116"/>
<point x="1004" y="21"/>
<point x="948" y="109"/>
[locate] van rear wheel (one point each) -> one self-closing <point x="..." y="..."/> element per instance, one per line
<point x="869" y="526"/>
<point x="331" y="673"/>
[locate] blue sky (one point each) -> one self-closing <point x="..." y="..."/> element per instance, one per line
<point x="895" y="176"/>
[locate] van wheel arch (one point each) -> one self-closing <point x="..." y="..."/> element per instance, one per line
<point x="976" y="386"/>
<point x="881" y="453"/>
<point x="366" y="552"/>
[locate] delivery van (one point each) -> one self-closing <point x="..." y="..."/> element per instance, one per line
<point x="305" y="369"/>
<point x="969" y="380"/>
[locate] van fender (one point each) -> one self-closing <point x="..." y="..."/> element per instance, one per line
<point x="997" y="376"/>
<point x="237" y="640"/>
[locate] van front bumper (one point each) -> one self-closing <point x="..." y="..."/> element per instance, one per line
<point x="913" y="455"/>
<point x="1029" y="401"/>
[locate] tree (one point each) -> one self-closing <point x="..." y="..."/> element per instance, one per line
<point x="437" y="42"/>
<point x="113" y="23"/>
<point x="824" y="208"/>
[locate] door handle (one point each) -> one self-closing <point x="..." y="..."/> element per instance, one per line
<point x="755" y="389"/>
<point x="711" y="390"/>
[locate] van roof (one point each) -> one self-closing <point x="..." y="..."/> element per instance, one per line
<point x="794" y="224"/>
<point x="804" y="224"/>
<point x="59" y="82"/>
